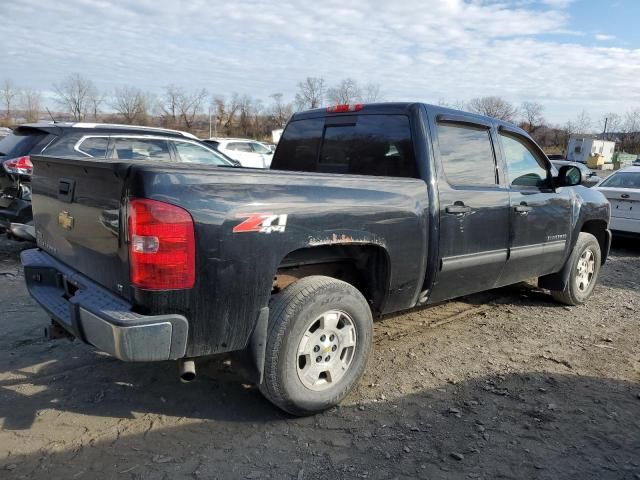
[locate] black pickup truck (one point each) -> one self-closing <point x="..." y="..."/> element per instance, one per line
<point x="367" y="210"/>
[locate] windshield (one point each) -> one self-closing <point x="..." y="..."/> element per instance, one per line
<point x="622" y="180"/>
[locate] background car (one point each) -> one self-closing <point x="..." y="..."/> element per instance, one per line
<point x="85" y="140"/>
<point x="556" y="156"/>
<point x="622" y="189"/>
<point x="636" y="162"/>
<point x="4" y="131"/>
<point x="250" y="153"/>
<point x="589" y="177"/>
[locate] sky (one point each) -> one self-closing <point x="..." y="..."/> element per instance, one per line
<point x="569" y="55"/>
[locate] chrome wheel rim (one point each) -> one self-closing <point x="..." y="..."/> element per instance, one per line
<point x="326" y="350"/>
<point x="585" y="270"/>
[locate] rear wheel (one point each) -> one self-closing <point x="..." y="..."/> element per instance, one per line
<point x="320" y="335"/>
<point x="584" y="265"/>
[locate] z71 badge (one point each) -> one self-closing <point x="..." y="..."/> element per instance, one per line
<point x="261" y="222"/>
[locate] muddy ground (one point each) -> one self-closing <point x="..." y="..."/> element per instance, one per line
<point x="504" y="384"/>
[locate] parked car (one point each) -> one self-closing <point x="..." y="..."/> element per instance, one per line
<point x="555" y="157"/>
<point x="4" y="131"/>
<point x="636" y="162"/>
<point x="589" y="177"/>
<point x="250" y="153"/>
<point x="362" y="213"/>
<point x="84" y="140"/>
<point x="622" y="189"/>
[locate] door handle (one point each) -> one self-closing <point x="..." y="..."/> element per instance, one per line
<point x="457" y="209"/>
<point x="522" y="209"/>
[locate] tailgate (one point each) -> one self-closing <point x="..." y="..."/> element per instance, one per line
<point x="76" y="210"/>
<point x="625" y="202"/>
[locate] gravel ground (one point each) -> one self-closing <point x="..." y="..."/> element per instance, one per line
<point x="504" y="384"/>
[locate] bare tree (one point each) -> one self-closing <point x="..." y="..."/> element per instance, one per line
<point x="78" y="95"/>
<point x="371" y="93"/>
<point x="347" y="91"/>
<point x="457" y="104"/>
<point x="131" y="104"/>
<point x="190" y="105"/>
<point x="8" y="93"/>
<point x="31" y="101"/>
<point x="245" y="106"/>
<point x="495" y="107"/>
<point x="582" y="124"/>
<point x="280" y="111"/>
<point x="169" y="105"/>
<point x="310" y="93"/>
<point x="611" y="122"/>
<point x="531" y="115"/>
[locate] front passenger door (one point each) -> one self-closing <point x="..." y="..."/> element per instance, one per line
<point x="540" y="215"/>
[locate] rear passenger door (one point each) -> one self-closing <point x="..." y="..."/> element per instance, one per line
<point x="474" y="207"/>
<point x="540" y="216"/>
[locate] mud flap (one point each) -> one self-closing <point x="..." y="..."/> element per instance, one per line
<point x="258" y="343"/>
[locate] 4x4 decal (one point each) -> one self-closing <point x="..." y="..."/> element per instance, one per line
<point x="261" y="222"/>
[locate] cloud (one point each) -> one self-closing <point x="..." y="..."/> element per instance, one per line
<point x="416" y="49"/>
<point x="602" y="37"/>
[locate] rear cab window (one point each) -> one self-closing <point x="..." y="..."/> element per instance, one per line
<point x="373" y="144"/>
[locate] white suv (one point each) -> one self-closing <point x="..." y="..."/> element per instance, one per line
<point x="250" y="153"/>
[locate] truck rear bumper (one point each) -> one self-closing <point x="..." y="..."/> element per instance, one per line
<point x="99" y="317"/>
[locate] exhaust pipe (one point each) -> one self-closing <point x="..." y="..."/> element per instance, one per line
<point x="187" y="370"/>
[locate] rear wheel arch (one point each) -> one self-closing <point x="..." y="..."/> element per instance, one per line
<point x="366" y="266"/>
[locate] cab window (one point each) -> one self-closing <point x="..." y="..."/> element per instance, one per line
<point x="524" y="167"/>
<point x="466" y="154"/>
<point x="377" y="145"/>
<point x="192" y="153"/>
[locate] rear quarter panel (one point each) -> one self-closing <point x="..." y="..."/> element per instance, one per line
<point x="235" y="270"/>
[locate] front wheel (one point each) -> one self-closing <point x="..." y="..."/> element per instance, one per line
<point x="584" y="265"/>
<point x="319" y="340"/>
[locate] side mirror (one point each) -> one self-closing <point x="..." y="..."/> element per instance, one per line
<point x="569" y="176"/>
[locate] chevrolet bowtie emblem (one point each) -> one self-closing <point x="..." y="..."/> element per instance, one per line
<point x="65" y="220"/>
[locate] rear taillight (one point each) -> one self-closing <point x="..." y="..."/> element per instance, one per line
<point x="162" y="252"/>
<point x="19" y="165"/>
<point x="345" y="108"/>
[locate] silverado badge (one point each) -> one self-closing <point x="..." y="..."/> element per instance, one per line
<point x="65" y="220"/>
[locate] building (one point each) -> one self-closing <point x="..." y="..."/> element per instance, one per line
<point x="579" y="149"/>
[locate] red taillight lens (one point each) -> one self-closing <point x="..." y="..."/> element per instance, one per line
<point x="345" y="108"/>
<point x="19" y="166"/>
<point x="162" y="251"/>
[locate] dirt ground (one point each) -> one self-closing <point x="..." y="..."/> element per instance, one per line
<point x="504" y="384"/>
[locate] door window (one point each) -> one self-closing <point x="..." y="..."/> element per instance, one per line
<point x="466" y="154"/>
<point x="95" y="147"/>
<point x="524" y="167"/>
<point x="141" y="149"/>
<point x="192" y="153"/>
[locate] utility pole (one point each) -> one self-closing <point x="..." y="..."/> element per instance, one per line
<point x="604" y="133"/>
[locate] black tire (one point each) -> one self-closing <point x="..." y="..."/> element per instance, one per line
<point x="292" y="312"/>
<point x="572" y="294"/>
